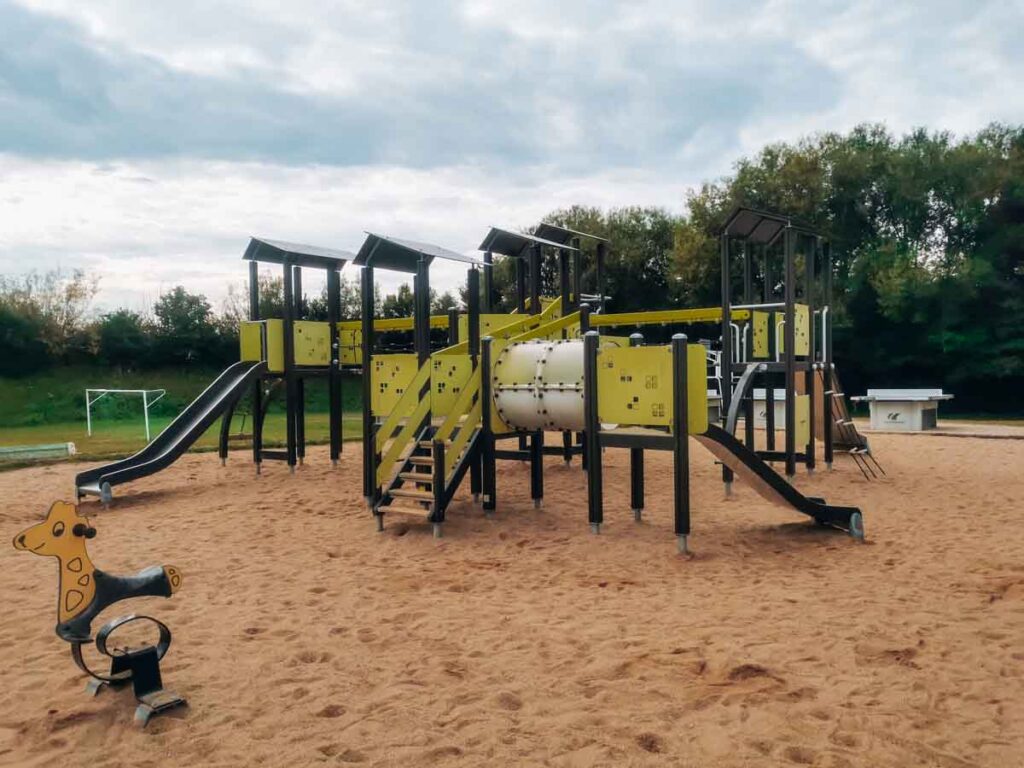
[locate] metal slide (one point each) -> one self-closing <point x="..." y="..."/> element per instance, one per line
<point x="772" y="486"/>
<point x="225" y="390"/>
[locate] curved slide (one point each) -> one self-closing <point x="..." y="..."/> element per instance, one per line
<point x="181" y="433"/>
<point x="771" y="485"/>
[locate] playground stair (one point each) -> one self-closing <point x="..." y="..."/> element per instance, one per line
<point x="426" y="479"/>
<point x="424" y="459"/>
<point x="844" y="432"/>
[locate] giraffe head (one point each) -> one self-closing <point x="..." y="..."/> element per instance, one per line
<point x="62" y="534"/>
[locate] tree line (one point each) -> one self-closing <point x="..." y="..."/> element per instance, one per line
<point x="926" y="232"/>
<point x="46" y="321"/>
<point x="927" y="239"/>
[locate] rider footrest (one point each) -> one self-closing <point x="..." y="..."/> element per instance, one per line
<point x="140" y="667"/>
<point x="148" y="686"/>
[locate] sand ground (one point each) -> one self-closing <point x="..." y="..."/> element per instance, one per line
<point x="304" y="637"/>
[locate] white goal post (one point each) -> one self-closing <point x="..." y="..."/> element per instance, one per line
<point x="92" y="396"/>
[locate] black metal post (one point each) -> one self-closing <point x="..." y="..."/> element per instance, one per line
<point x="289" y="367"/>
<point x="810" y="279"/>
<point x="769" y="379"/>
<point x="726" y="361"/>
<point x="681" y="444"/>
<point x="300" y="382"/>
<point x="592" y="432"/>
<point x="828" y="380"/>
<point x="789" y="340"/>
<point x="520" y="285"/>
<point x="257" y="386"/>
<point x="453" y="327"/>
<point x="636" y="461"/>
<point x="748" y="330"/>
<point x="334" y="381"/>
<point x="565" y="289"/>
<point x="584" y="329"/>
<point x="370" y="458"/>
<point x="577" y="273"/>
<point x="488" y="297"/>
<point x="489" y="469"/>
<point x="473" y="333"/>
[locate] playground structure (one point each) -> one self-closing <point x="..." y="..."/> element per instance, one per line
<point x="444" y="403"/>
<point x="431" y="418"/>
<point x="84" y="591"/>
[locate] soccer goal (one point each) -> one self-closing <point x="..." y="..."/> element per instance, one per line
<point x="149" y="397"/>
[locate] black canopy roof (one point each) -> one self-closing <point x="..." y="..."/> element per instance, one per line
<point x="761" y="227"/>
<point x="508" y="243"/>
<point x="278" y="251"/>
<point x="402" y="255"/>
<point x="563" y="234"/>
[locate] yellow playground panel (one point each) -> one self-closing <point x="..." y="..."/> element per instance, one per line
<point x="634" y="386"/>
<point x="803" y="419"/>
<point x="760" y="334"/>
<point x="263" y="340"/>
<point x="350" y="345"/>
<point x="448" y="377"/>
<point x="312" y="343"/>
<point x="390" y="377"/>
<point x="801" y="330"/>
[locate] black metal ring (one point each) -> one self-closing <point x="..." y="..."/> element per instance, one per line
<point x="163" y="644"/>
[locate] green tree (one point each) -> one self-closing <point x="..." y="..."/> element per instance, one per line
<point x="185" y="327"/>
<point x="124" y="339"/>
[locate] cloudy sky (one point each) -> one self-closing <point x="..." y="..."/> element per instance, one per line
<point x="144" y="141"/>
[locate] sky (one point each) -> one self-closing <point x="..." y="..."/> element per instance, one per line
<point x="145" y="142"/>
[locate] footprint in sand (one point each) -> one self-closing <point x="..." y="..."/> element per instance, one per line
<point x="800" y="755"/>
<point x="650" y="742"/>
<point x="509" y="701"/>
<point x="332" y="711"/>
<point x="352" y="756"/>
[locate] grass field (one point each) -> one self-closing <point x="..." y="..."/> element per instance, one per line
<point x="121" y="438"/>
<point x="57" y="397"/>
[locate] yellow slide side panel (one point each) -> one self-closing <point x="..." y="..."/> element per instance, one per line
<point x="275" y="345"/>
<point x="803" y="420"/>
<point x="312" y="343"/>
<point x="761" y="323"/>
<point x="448" y="377"/>
<point x="250" y="340"/>
<point x="391" y="376"/>
<point x="350" y="344"/>
<point x="634" y="386"/>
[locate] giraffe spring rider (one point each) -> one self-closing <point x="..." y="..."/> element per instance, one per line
<point x="84" y="591"/>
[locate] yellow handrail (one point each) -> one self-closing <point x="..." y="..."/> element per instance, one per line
<point x="405" y="404"/>
<point x="658" y="317"/>
<point x="392" y="323"/>
<point x="453" y="451"/>
<point x="545" y="330"/>
<point x="462" y="405"/>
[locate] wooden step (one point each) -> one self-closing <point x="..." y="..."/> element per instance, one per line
<point x="404" y="493"/>
<point x="417" y="477"/>
<point x="422" y="461"/>
<point x="429" y="445"/>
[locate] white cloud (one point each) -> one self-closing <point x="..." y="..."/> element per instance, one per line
<point x="146" y="226"/>
<point x="433" y="120"/>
